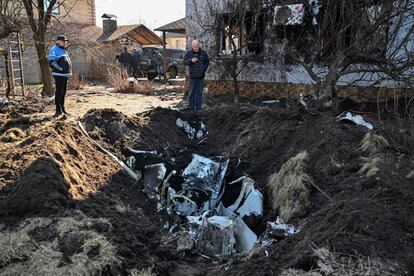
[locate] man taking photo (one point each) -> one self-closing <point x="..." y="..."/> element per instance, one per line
<point x="197" y="60"/>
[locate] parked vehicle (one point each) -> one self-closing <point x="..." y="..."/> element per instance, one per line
<point x="175" y="64"/>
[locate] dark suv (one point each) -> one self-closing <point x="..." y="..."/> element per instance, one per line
<point x="175" y="63"/>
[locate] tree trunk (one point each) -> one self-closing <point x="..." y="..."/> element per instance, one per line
<point x="236" y="90"/>
<point x="47" y="90"/>
<point x="236" y="86"/>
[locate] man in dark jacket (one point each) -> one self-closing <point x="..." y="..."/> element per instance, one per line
<point x="159" y="63"/>
<point x="62" y="69"/>
<point x="125" y="58"/>
<point x="197" y="61"/>
<point x="136" y="55"/>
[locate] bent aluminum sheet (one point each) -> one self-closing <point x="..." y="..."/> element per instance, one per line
<point x="250" y="200"/>
<point x="154" y="175"/>
<point x="357" y="119"/>
<point x="205" y="174"/>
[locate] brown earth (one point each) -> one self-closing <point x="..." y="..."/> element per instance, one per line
<point x="56" y="169"/>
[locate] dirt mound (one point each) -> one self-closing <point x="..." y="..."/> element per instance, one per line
<point x="114" y="126"/>
<point x="41" y="187"/>
<point x="49" y="169"/>
<point x="56" y="168"/>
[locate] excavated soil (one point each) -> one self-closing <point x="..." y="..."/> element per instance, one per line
<point x="56" y="169"/>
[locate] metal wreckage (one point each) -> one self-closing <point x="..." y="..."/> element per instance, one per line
<point x="209" y="222"/>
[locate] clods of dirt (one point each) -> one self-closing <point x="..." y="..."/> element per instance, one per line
<point x="362" y="216"/>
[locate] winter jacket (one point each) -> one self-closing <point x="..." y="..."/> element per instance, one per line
<point x="60" y="62"/>
<point x="125" y="58"/>
<point x="135" y="58"/>
<point x="197" y="70"/>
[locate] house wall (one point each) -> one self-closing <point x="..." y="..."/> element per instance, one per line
<point x="79" y="11"/>
<point x="267" y="73"/>
<point x="80" y="64"/>
<point x="176" y="42"/>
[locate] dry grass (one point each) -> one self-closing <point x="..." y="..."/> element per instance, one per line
<point x="12" y="135"/>
<point x="290" y="187"/>
<point x="76" y="82"/>
<point x="142" y="272"/>
<point x="298" y="272"/>
<point x="21" y="254"/>
<point x="119" y="79"/>
<point x="373" y="146"/>
<point x="335" y="264"/>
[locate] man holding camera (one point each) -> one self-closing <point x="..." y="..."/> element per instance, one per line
<point x="197" y="60"/>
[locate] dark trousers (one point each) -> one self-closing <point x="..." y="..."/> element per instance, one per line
<point x="61" y="88"/>
<point x="196" y="93"/>
<point x="135" y="71"/>
<point x="160" y="70"/>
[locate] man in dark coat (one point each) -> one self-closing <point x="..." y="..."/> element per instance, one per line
<point x="125" y="58"/>
<point x="197" y="61"/>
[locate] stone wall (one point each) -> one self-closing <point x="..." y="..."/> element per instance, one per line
<point x="288" y="90"/>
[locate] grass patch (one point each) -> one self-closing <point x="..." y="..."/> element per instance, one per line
<point x="332" y="264"/>
<point x="337" y="264"/>
<point x="372" y="146"/>
<point x="142" y="272"/>
<point x="290" y="187"/>
<point x="119" y="79"/>
<point x="22" y="254"/>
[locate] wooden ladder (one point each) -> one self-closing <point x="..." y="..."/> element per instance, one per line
<point x="14" y="62"/>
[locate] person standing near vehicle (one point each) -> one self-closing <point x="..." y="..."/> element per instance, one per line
<point x="136" y="54"/>
<point x="159" y="62"/>
<point x="61" y="66"/>
<point x="197" y="61"/>
<point x="125" y="58"/>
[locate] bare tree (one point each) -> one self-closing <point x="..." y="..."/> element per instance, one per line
<point x="233" y="24"/>
<point x="39" y="15"/>
<point x="364" y="41"/>
<point x="10" y="20"/>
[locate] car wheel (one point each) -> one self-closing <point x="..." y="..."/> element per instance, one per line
<point x="173" y="72"/>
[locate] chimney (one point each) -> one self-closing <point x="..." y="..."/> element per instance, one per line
<point x="109" y="23"/>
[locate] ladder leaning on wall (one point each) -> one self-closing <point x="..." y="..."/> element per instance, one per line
<point x="14" y="63"/>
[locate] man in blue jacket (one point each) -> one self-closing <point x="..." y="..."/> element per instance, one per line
<point x="61" y="70"/>
<point x="197" y="61"/>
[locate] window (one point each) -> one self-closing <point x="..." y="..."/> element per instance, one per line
<point x="55" y="9"/>
<point x="243" y="38"/>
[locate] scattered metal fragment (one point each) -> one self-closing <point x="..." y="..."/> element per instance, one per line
<point x="250" y="200"/>
<point x="154" y="175"/>
<point x="271" y="102"/>
<point x="216" y="236"/>
<point x="280" y="229"/>
<point x="3" y="102"/>
<point x="153" y="152"/>
<point x="205" y="174"/>
<point x="357" y="119"/>
<point x="131" y="162"/>
<point x="192" y="133"/>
